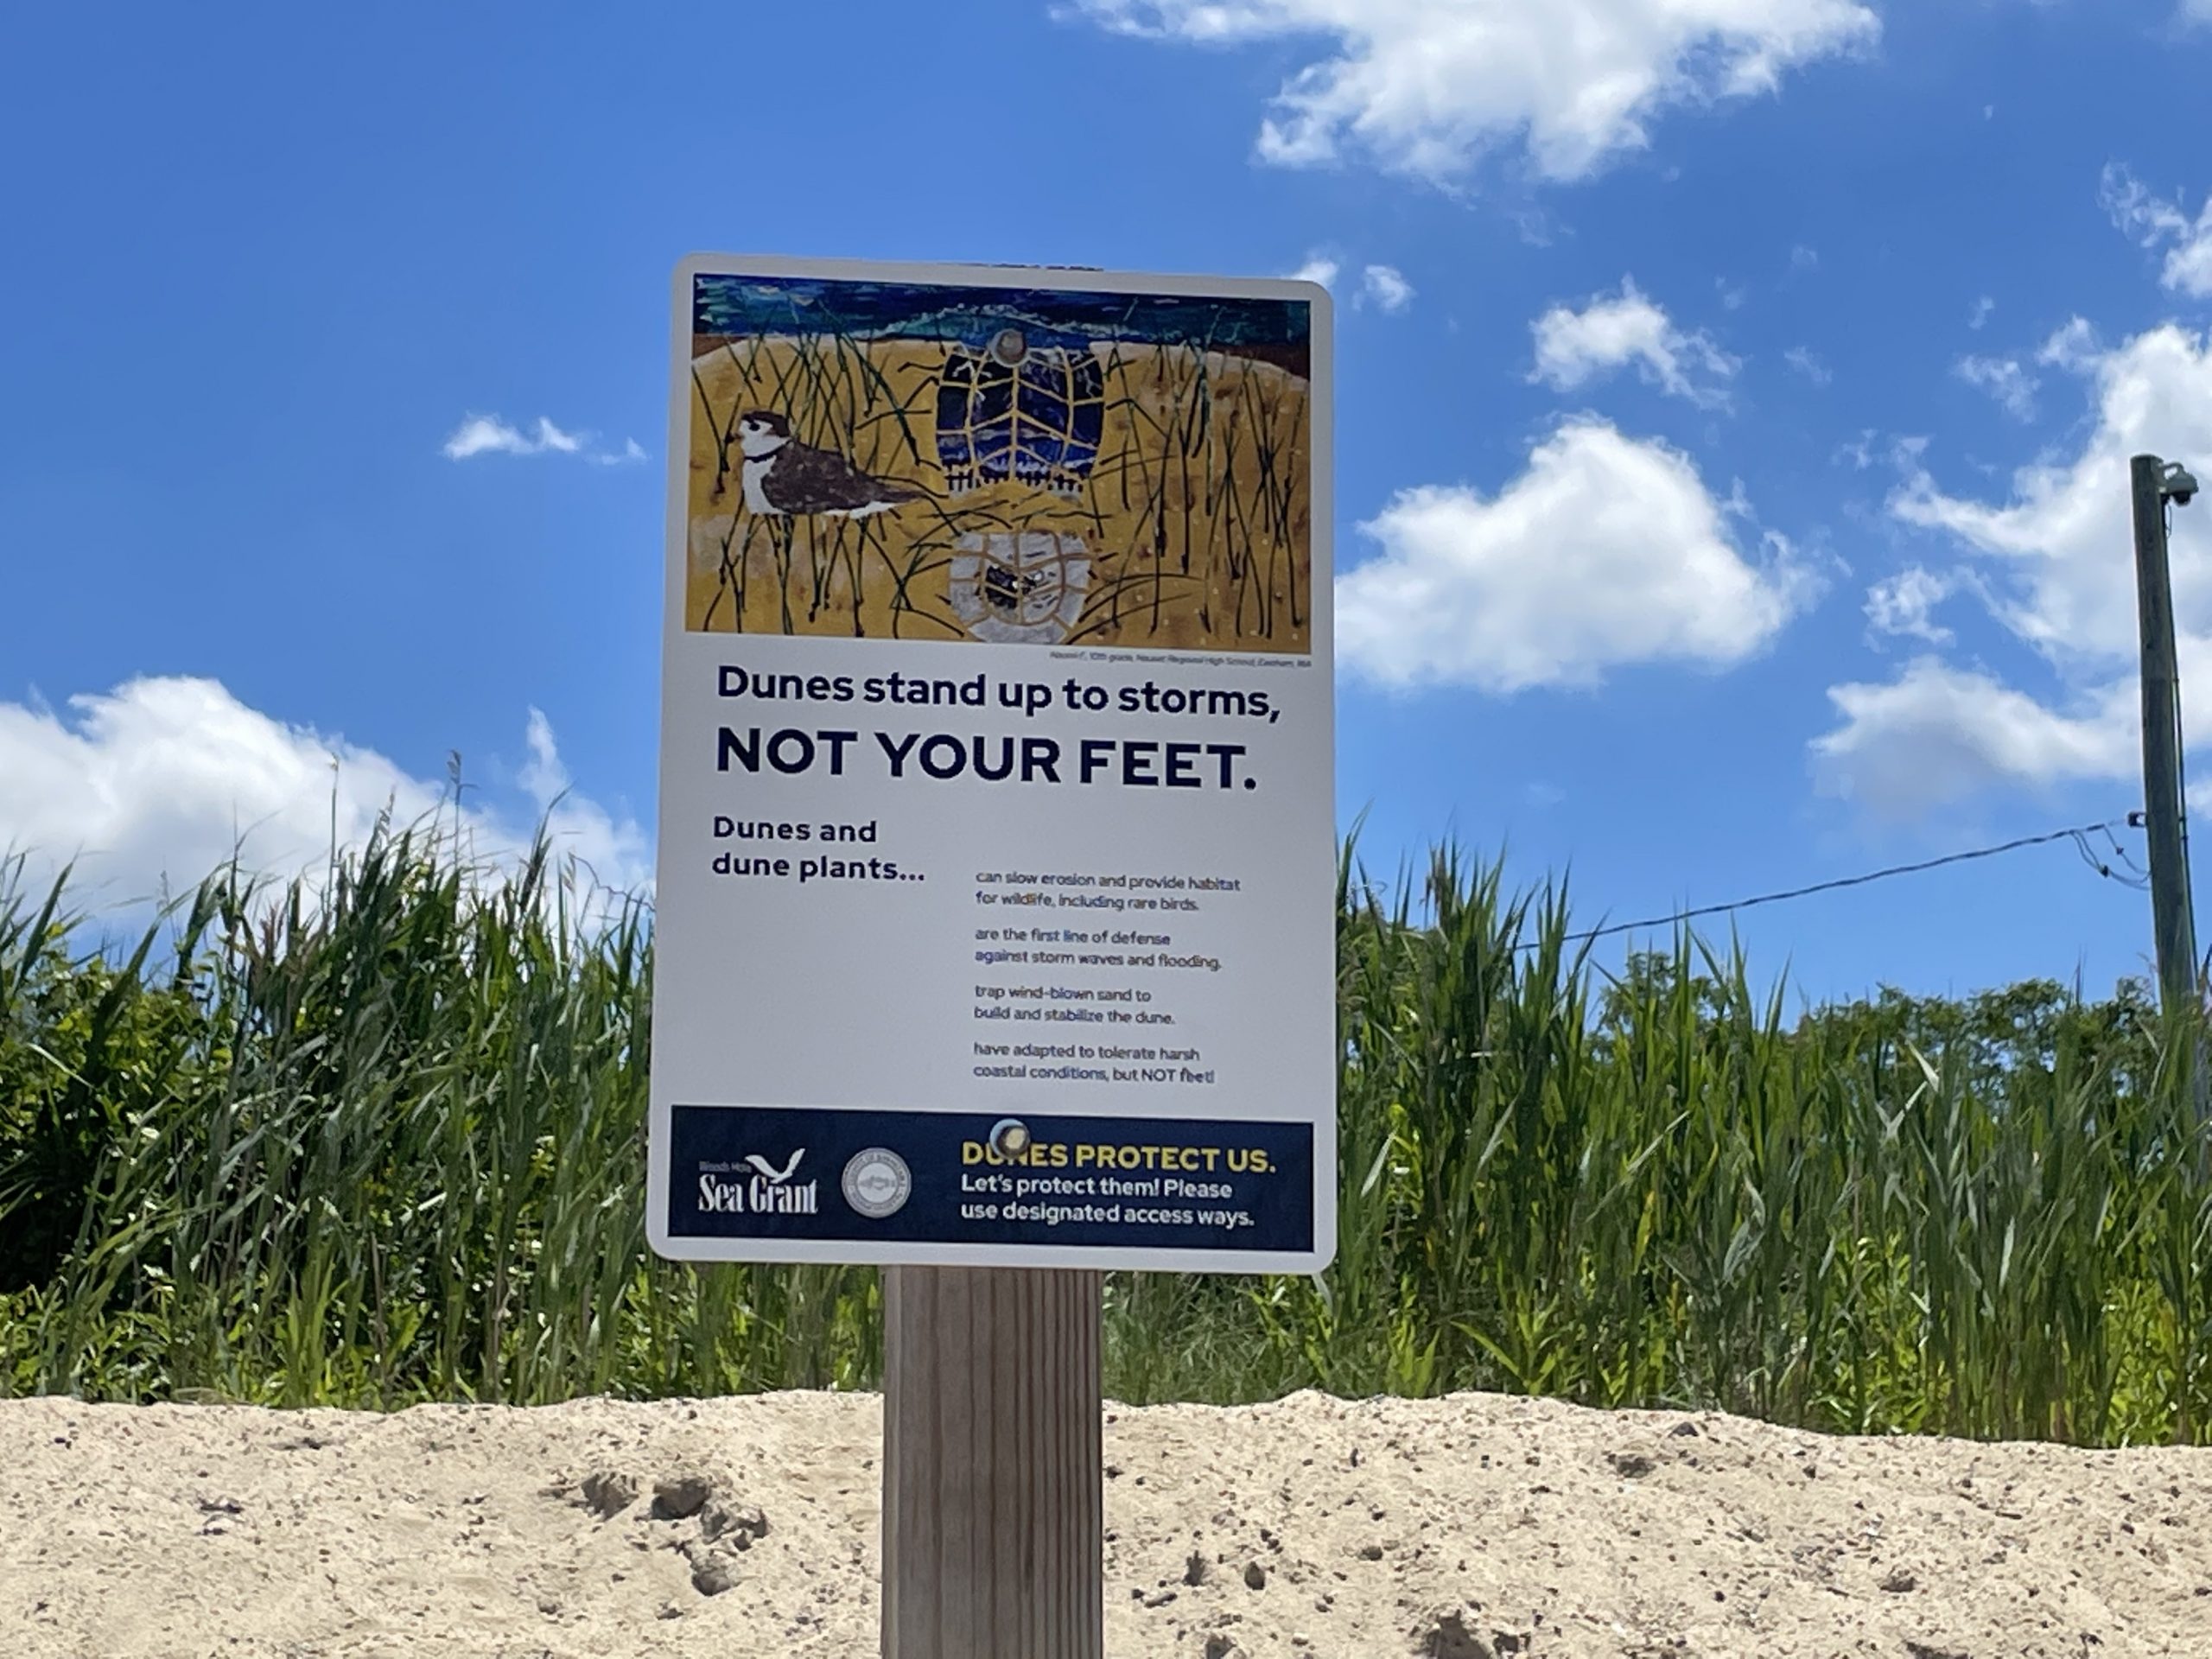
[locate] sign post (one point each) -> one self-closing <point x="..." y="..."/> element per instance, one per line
<point x="993" y="1524"/>
<point x="994" y="927"/>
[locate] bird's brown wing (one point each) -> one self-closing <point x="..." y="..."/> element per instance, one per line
<point x="805" y="480"/>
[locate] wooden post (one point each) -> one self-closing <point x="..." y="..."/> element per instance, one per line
<point x="994" y="1528"/>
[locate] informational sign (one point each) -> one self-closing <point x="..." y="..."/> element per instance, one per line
<point x="995" y="920"/>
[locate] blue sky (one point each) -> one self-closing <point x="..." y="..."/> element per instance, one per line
<point x="1733" y="403"/>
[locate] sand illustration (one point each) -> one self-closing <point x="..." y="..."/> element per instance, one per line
<point x="1467" y="1528"/>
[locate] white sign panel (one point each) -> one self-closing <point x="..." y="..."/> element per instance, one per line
<point x="996" y="918"/>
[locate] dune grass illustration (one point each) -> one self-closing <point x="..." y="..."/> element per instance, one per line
<point x="1196" y="517"/>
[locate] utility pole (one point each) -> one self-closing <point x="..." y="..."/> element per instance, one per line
<point x="2164" y="809"/>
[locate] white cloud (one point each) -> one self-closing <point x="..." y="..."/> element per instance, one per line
<point x="1383" y="287"/>
<point x="1387" y="287"/>
<point x="1983" y="309"/>
<point x="488" y="434"/>
<point x="2156" y="223"/>
<point x="2053" y="568"/>
<point x="1937" y="736"/>
<point x="1428" y="86"/>
<point x="1804" y="258"/>
<point x="1575" y="347"/>
<point x="2189" y="267"/>
<point x="2075" y="346"/>
<point x="2004" y="379"/>
<point x="2135" y="210"/>
<point x="1607" y="551"/>
<point x="1804" y="360"/>
<point x="2067" y="521"/>
<point x="1905" y="604"/>
<point x="154" y="785"/>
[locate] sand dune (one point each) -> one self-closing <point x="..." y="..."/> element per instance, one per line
<point x="1316" y="1529"/>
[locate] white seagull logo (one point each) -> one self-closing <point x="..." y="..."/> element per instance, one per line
<point x="778" y="1176"/>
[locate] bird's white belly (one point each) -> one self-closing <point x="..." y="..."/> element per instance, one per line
<point x="756" y="501"/>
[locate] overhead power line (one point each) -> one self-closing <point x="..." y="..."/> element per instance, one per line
<point x="2079" y="835"/>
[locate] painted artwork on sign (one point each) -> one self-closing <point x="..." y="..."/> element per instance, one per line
<point x="899" y="460"/>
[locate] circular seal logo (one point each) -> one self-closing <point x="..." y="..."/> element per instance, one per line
<point x="878" y="1183"/>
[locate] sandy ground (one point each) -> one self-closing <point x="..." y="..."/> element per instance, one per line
<point x="1469" y="1528"/>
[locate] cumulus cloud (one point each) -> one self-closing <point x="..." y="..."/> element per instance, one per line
<point x="1806" y="363"/>
<point x="1607" y="551"/>
<point x="1937" y="736"/>
<point x="2073" y="345"/>
<point x="2067" y="519"/>
<point x="2156" y="223"/>
<point x="1983" y="309"/>
<point x="151" y="785"/>
<point x="1383" y="287"/>
<point x="2004" y="379"/>
<point x="1858" y="454"/>
<point x="1428" y="86"/>
<point x="1904" y="604"/>
<point x="488" y="434"/>
<point x="2051" y="565"/>
<point x="1387" y="287"/>
<point x="1575" y="347"/>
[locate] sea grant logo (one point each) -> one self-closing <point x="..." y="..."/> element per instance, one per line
<point x="756" y="1187"/>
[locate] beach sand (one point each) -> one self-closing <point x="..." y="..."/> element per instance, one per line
<point x="1315" y="1529"/>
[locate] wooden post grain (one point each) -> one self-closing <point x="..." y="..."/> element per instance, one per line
<point x="994" y="1522"/>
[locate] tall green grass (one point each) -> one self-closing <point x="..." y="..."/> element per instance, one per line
<point x="380" y="1141"/>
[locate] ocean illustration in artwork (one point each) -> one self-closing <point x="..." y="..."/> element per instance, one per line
<point x="1017" y="465"/>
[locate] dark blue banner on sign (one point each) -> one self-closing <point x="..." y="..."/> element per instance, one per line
<point x="1116" y="1183"/>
